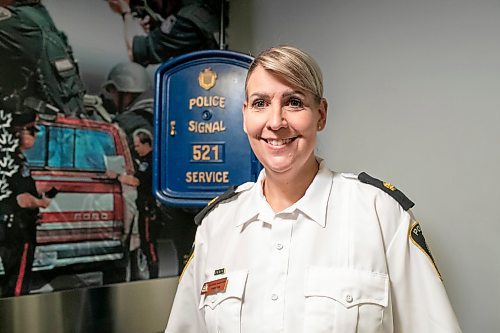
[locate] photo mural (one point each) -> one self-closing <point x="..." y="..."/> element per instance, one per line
<point x="76" y="139"/>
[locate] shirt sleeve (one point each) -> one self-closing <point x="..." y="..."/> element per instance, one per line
<point x="419" y="299"/>
<point x="20" y="45"/>
<point x="174" y="37"/>
<point x="185" y="315"/>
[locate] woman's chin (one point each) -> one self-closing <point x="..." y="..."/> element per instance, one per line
<point x="278" y="165"/>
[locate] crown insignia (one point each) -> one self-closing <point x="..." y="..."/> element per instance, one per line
<point x="207" y="78"/>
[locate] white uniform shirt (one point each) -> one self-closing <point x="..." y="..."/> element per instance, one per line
<point x="341" y="259"/>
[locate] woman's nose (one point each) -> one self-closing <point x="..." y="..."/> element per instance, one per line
<point x="277" y="117"/>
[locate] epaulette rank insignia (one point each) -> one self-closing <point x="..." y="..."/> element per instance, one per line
<point x="387" y="188"/>
<point x="231" y="192"/>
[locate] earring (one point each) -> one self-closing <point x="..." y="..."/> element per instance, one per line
<point x="320" y="127"/>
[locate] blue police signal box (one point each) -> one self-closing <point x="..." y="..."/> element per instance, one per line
<point x="200" y="148"/>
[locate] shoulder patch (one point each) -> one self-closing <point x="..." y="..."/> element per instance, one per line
<point x="4" y="13"/>
<point x="231" y="192"/>
<point x="417" y="238"/>
<point x="187" y="262"/>
<point x="387" y="188"/>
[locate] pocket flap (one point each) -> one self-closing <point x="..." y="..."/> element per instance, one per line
<point x="348" y="287"/>
<point x="235" y="288"/>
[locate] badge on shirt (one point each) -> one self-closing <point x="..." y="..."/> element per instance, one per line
<point x="143" y="166"/>
<point x="25" y="170"/>
<point x="214" y="287"/>
<point x="417" y="238"/>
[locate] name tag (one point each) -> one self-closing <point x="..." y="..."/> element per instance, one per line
<point x="214" y="287"/>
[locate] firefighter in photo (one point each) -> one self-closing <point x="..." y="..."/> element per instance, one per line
<point x="304" y="248"/>
<point x="20" y="236"/>
<point x="37" y="63"/>
<point x="127" y="85"/>
<point x="183" y="26"/>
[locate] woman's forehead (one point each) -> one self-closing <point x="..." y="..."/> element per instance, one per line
<point x="262" y="79"/>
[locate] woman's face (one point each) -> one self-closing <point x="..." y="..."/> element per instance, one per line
<point x="281" y="122"/>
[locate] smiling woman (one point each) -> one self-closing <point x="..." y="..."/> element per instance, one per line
<point x="305" y="249"/>
<point x="282" y="121"/>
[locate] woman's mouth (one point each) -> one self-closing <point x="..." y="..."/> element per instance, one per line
<point x="279" y="142"/>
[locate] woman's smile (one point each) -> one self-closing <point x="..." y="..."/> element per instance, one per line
<point x="281" y="122"/>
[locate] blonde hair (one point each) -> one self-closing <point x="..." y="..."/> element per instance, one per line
<point x="292" y="65"/>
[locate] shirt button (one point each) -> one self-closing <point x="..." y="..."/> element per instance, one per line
<point x="279" y="246"/>
<point x="348" y="298"/>
<point x="274" y="297"/>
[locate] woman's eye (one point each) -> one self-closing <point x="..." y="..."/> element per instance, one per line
<point x="295" y="102"/>
<point x="259" y="104"/>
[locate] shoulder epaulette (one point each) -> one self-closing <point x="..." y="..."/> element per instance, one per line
<point x="231" y="192"/>
<point x="387" y="188"/>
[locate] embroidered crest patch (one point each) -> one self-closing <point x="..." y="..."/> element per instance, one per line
<point x="417" y="237"/>
<point x="188" y="261"/>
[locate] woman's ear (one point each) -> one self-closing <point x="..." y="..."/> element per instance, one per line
<point x="244" y="110"/>
<point x="323" y="111"/>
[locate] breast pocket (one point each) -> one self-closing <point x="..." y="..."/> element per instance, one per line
<point x="344" y="300"/>
<point x="223" y="309"/>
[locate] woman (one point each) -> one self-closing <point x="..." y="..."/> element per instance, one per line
<point x="305" y="249"/>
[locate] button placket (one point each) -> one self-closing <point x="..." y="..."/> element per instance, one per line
<point x="279" y="261"/>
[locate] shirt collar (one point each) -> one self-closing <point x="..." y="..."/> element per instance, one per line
<point x="256" y="206"/>
<point x="315" y="201"/>
<point x="313" y="204"/>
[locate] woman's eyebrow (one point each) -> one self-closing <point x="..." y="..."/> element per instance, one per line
<point x="259" y="94"/>
<point x="294" y="92"/>
<point x="286" y="94"/>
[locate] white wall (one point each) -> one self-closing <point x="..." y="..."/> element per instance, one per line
<point x="414" y="92"/>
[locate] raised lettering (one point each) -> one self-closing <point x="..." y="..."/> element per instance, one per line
<point x="192" y="101"/>
<point x="207" y="101"/>
<point x="207" y="177"/>
<point x="203" y="127"/>
<point x="207" y="128"/>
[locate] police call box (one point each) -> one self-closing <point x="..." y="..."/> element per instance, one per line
<point x="200" y="149"/>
